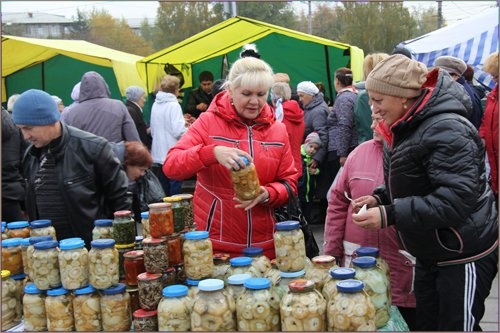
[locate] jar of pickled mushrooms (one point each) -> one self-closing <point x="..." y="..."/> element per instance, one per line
<point x="115" y="308"/>
<point x="45" y="268"/>
<point x="336" y="274"/>
<point x="74" y="264"/>
<point x="103" y="264"/>
<point x="42" y="228"/>
<point x="155" y="254"/>
<point x="198" y="255"/>
<point x="12" y="256"/>
<point x="290" y="247"/>
<point x="145" y="320"/>
<point x="10" y="302"/>
<point x="35" y="318"/>
<point x="87" y="309"/>
<point x="103" y="228"/>
<point x="236" y="284"/>
<point x="320" y="270"/>
<point x="150" y="290"/>
<point x="260" y="262"/>
<point x="174" y="309"/>
<point x="59" y="310"/>
<point x="18" y="229"/>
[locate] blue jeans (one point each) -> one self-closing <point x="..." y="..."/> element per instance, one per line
<point x="170" y="186"/>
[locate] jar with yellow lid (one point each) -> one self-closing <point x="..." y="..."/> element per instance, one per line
<point x="35" y="318"/>
<point x="319" y="273"/>
<point x="246" y="181"/>
<point x="122" y="249"/>
<point x="161" y="219"/>
<point x="42" y="228"/>
<point x="178" y="212"/>
<point x="187" y="203"/>
<point x="10" y="302"/>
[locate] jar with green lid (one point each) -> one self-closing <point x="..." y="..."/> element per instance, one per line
<point x="115" y="309"/>
<point x="12" y="256"/>
<point x="35" y="318"/>
<point x="155" y="254"/>
<point x="303" y="308"/>
<point x="150" y="290"/>
<point x="10" y="302"/>
<point x="258" y="307"/>
<point x="145" y="320"/>
<point x="178" y="212"/>
<point x="260" y="262"/>
<point x="376" y="286"/>
<point x="221" y="266"/>
<point x="241" y="265"/>
<point x="74" y="264"/>
<point x="174" y="309"/>
<point x="369" y="251"/>
<point x="174" y="249"/>
<point x="45" y="269"/>
<point x="245" y="180"/>
<point x="103" y="264"/>
<point x="29" y="252"/>
<point x="87" y="309"/>
<point x="18" y="229"/>
<point x="122" y="249"/>
<point x="103" y="229"/>
<point x="319" y="273"/>
<point x="198" y="255"/>
<point x="25" y="243"/>
<point x="285" y="279"/>
<point x="59" y="310"/>
<point x="187" y="203"/>
<point x="161" y="219"/>
<point x="336" y="274"/>
<point x="236" y="284"/>
<point x="42" y="228"/>
<point x="351" y="310"/>
<point x="289" y="246"/>
<point x="145" y="224"/>
<point x="124" y="227"/>
<point x="213" y="308"/>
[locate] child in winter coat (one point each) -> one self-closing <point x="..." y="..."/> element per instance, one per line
<point x="307" y="182"/>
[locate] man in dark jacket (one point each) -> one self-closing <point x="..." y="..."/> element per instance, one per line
<point x="199" y="99"/>
<point x="73" y="177"/>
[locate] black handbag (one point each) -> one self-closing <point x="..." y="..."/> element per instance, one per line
<point x="292" y="212"/>
<point x="149" y="190"/>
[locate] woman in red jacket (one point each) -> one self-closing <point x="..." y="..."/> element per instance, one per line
<point x="238" y="123"/>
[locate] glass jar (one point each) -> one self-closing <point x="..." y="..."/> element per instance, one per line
<point x="35" y="318"/>
<point x="369" y="251"/>
<point x="169" y="277"/>
<point x="103" y="229"/>
<point x="241" y="265"/>
<point x="10" y="302"/>
<point x="74" y="264"/>
<point x="180" y="274"/>
<point x="145" y="224"/>
<point x="59" y="310"/>
<point x="4" y="232"/>
<point x="221" y="266"/>
<point x="236" y="284"/>
<point x="122" y="249"/>
<point x="336" y="274"/>
<point x="258" y="308"/>
<point x="285" y="279"/>
<point x="133" y="293"/>
<point x="246" y="181"/>
<point x="319" y="273"/>
<point x="145" y="321"/>
<point x="174" y="249"/>
<point x="25" y="243"/>
<point x="290" y="247"/>
<point x="20" y="280"/>
<point x="376" y="286"/>
<point x="192" y="288"/>
<point x="18" y="229"/>
<point x="187" y="203"/>
<point x="87" y="310"/>
<point x="138" y="242"/>
<point x="45" y="269"/>
<point x="103" y="264"/>
<point x="29" y="252"/>
<point x="123" y="227"/>
<point x="213" y="308"/>
<point x="12" y="256"/>
<point x="155" y="254"/>
<point x="42" y="228"/>
<point x="174" y="309"/>
<point x="350" y="310"/>
<point x="260" y="262"/>
<point x="133" y="262"/>
<point x="303" y="308"/>
<point x="161" y="220"/>
<point x="150" y="290"/>
<point x="178" y="212"/>
<point x="115" y="309"/>
<point x="198" y="255"/>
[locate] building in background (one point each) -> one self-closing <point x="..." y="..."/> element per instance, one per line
<point x="36" y="25"/>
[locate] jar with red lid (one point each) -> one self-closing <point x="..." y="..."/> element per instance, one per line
<point x="155" y="254"/>
<point x="124" y="227"/>
<point x="174" y="249"/>
<point x="150" y="290"/>
<point x="221" y="265"/>
<point x="18" y="229"/>
<point x="145" y="321"/>
<point x="133" y="263"/>
<point x="161" y="219"/>
<point x="319" y="273"/>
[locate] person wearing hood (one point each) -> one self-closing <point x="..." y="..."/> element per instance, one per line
<point x="239" y="124"/>
<point x="75" y="94"/>
<point x="99" y="114"/>
<point x="436" y="192"/>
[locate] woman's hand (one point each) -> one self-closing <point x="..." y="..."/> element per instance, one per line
<point x="370" y="219"/>
<point x="368" y="200"/>
<point x="248" y="204"/>
<point x="230" y="157"/>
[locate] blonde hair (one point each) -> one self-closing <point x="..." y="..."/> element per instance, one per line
<point x="491" y="64"/>
<point x="371" y="60"/>
<point x="281" y="77"/>
<point x="282" y="90"/>
<point x="169" y="84"/>
<point x="10" y="102"/>
<point x="250" y="73"/>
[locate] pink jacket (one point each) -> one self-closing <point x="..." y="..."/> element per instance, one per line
<point x="361" y="174"/>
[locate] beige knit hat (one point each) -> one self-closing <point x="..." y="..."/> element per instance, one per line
<point x="397" y="75"/>
<point x="452" y="65"/>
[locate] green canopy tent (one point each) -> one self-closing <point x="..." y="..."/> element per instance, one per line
<point x="302" y="56"/>
<point x="55" y="66"/>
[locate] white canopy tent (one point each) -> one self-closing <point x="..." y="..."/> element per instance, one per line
<point x="471" y="39"/>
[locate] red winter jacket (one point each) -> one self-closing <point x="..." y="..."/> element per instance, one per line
<point x="489" y="132"/>
<point x="293" y="118"/>
<point x="232" y="229"/>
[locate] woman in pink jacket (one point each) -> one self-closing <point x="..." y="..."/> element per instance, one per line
<point x="238" y="123"/>
<point x="362" y="173"/>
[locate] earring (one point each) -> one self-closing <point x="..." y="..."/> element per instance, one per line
<point x="404" y="106"/>
<point x="232" y="102"/>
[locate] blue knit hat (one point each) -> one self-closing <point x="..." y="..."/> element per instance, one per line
<point x="134" y="93"/>
<point x="35" y="108"/>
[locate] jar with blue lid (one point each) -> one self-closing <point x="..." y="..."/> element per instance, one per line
<point x="4" y="232"/>
<point x="350" y="309"/>
<point x="74" y="264"/>
<point x="336" y="274"/>
<point x="260" y="262"/>
<point x="214" y="308"/>
<point x="242" y="265"/>
<point x="87" y="309"/>
<point x="192" y="285"/>
<point x="45" y="265"/>
<point x="235" y="284"/>
<point x="59" y="310"/>
<point x="35" y="318"/>
<point x="20" y="280"/>
<point x="29" y="252"/>
<point x="198" y="255"/>
<point x="115" y="308"/>
<point x="245" y="180"/>
<point x="377" y="286"/>
<point x="42" y="228"/>
<point x="174" y="309"/>
<point x="18" y="229"/>
<point x="145" y="224"/>
<point x="103" y="228"/>
<point x="289" y="246"/>
<point x="103" y="263"/>
<point x="370" y="251"/>
<point x="12" y="256"/>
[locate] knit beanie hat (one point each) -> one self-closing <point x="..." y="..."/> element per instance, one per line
<point x="35" y="108"/>
<point x="398" y="76"/>
<point x="451" y="64"/>
<point x="307" y="87"/>
<point x="134" y="93"/>
<point x="313" y="137"/>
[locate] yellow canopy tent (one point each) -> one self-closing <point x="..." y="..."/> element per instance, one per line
<point x="57" y="65"/>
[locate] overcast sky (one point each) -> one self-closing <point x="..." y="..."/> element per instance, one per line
<point x="452" y="10"/>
